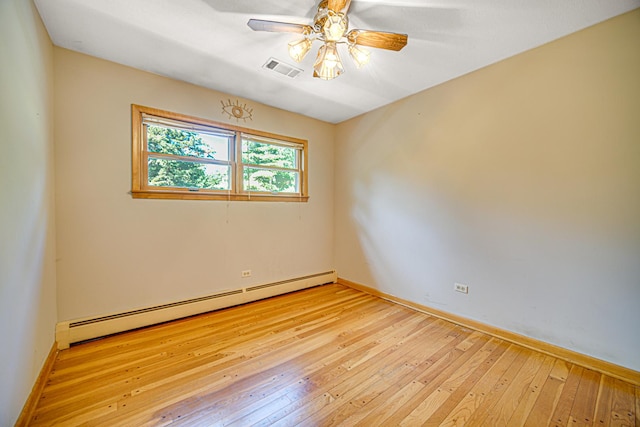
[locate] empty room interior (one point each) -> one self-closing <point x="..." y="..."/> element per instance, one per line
<point x="201" y="225"/>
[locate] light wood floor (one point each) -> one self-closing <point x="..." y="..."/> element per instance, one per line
<point x="325" y="356"/>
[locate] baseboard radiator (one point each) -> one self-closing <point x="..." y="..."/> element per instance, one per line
<point x="79" y="330"/>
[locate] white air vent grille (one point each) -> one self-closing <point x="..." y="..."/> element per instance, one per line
<point x="282" y="68"/>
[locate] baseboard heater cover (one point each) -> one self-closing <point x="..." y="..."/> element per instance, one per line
<point x="78" y="330"/>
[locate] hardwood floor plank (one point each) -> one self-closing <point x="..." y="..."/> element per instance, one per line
<point x="527" y="402"/>
<point x="162" y="372"/>
<point x="148" y="373"/>
<point x="234" y="316"/>
<point x="332" y="365"/>
<point x="604" y="401"/>
<point x="228" y="379"/>
<point x="448" y="361"/>
<point x="475" y="397"/>
<point x="114" y="362"/>
<point x="381" y="405"/>
<point x="324" y="356"/>
<point x="322" y="359"/>
<point x="584" y="406"/>
<point x="361" y="377"/>
<point x="565" y="403"/>
<point x="454" y="391"/>
<point x="502" y="411"/>
<point x="637" y="411"/>
<point x="398" y="392"/>
<point x="86" y="416"/>
<point x="546" y="403"/>
<point x="497" y="391"/>
<point x="410" y="366"/>
<point x="426" y="408"/>
<point x="622" y="404"/>
<point x="560" y="370"/>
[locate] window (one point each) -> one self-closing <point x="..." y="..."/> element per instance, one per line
<point x="179" y="157"/>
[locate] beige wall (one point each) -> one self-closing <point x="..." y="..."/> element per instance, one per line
<point x="117" y="253"/>
<point x="521" y="180"/>
<point x="27" y="237"/>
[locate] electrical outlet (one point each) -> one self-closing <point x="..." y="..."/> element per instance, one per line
<point x="246" y="273"/>
<point x="459" y="287"/>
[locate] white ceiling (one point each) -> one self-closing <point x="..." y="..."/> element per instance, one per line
<point x="208" y="43"/>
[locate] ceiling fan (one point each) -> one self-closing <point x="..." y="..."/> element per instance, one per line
<point x="330" y="26"/>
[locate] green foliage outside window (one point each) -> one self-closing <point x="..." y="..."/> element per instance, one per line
<point x="262" y="176"/>
<point x="177" y="173"/>
<point x="264" y="179"/>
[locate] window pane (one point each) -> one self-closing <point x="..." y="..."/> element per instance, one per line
<point x="186" y="143"/>
<point x="273" y="181"/>
<point x="178" y="173"/>
<point x="259" y="153"/>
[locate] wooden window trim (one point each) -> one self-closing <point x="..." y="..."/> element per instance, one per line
<point x="139" y="163"/>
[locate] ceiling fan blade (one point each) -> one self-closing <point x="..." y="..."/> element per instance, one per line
<point x="379" y="39"/>
<point x="278" y="27"/>
<point x="338" y="5"/>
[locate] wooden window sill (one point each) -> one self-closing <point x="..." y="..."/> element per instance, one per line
<point x="203" y="195"/>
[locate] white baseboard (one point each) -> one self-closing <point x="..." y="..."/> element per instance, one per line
<point x="78" y="330"/>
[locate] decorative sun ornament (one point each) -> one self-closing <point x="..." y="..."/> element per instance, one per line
<point x="237" y="111"/>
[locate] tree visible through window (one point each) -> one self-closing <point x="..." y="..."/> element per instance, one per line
<point x="176" y="156"/>
<point x="269" y="167"/>
<point x="184" y="172"/>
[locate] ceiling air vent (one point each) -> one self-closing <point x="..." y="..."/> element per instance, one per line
<point x="282" y="68"/>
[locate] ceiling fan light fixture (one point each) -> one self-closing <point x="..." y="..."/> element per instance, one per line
<point x="328" y="65"/>
<point x="360" y="56"/>
<point x="330" y="26"/>
<point x="298" y="49"/>
<point x="335" y="26"/>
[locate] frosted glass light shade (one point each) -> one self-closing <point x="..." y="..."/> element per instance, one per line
<point x="328" y="65"/>
<point x="360" y="56"/>
<point x="334" y="27"/>
<point x="298" y="49"/>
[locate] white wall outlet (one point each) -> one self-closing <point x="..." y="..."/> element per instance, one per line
<point x="246" y="273"/>
<point x="459" y="287"/>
